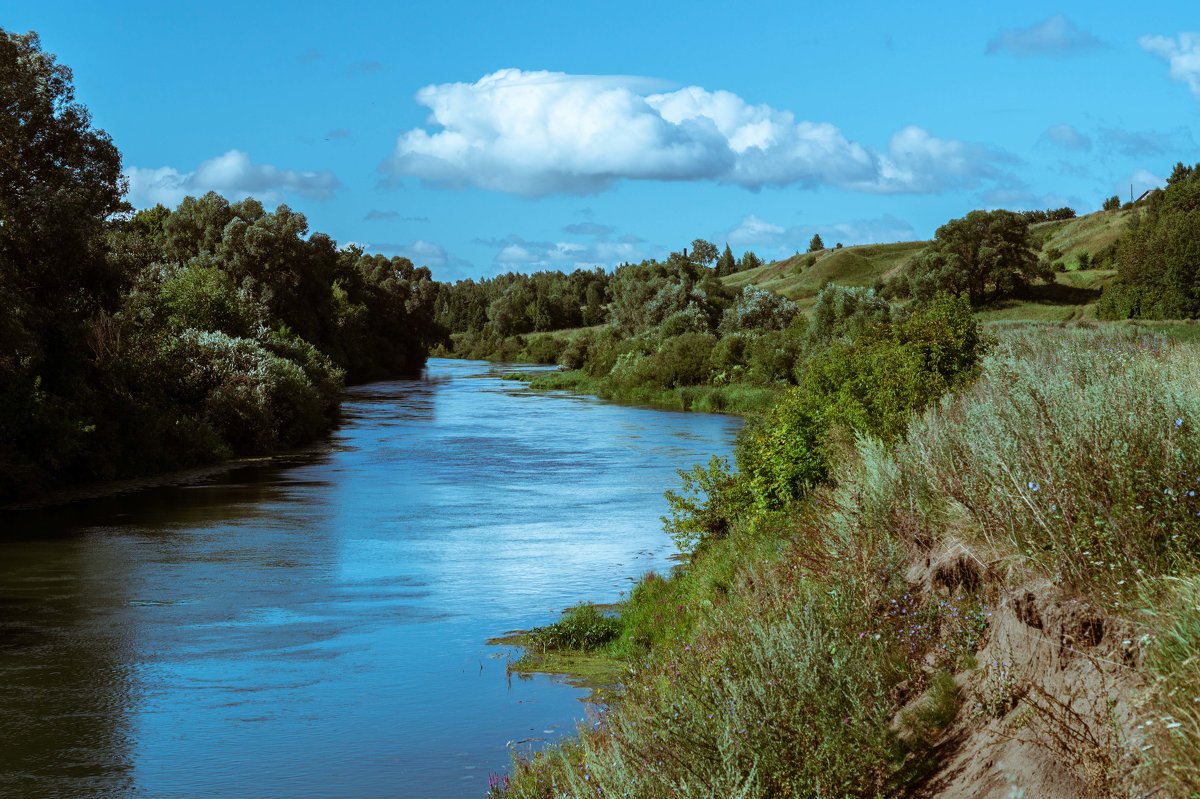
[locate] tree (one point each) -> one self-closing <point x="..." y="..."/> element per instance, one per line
<point x="725" y="264"/>
<point x="704" y="252"/>
<point x="1112" y="203"/>
<point x="1158" y="257"/>
<point x="59" y="181"/>
<point x="749" y="261"/>
<point x="985" y="254"/>
<point x="816" y="243"/>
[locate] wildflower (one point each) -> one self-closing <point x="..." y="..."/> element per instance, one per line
<point x="1178" y="422"/>
<point x="1033" y="486"/>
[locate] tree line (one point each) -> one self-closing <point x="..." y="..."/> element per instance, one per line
<point x="139" y="342"/>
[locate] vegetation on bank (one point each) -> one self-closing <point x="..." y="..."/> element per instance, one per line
<point x="135" y="343"/>
<point x="807" y="647"/>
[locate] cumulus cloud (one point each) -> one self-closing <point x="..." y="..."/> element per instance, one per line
<point x="540" y="133"/>
<point x="1066" y="137"/>
<point x="1183" y="54"/>
<point x="1056" y="36"/>
<point x="767" y="237"/>
<point x="233" y="175"/>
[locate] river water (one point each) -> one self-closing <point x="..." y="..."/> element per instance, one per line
<point x="315" y="625"/>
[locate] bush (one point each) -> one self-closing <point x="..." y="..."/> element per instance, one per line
<point x="253" y="399"/>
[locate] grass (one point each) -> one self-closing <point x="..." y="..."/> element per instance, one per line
<point x="792" y="657"/>
<point x="735" y="398"/>
<point x="1174" y="662"/>
<point x="1077" y="451"/>
<point x="1089" y="234"/>
<point x="849" y="266"/>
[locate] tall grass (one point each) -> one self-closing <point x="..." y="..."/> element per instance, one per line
<point x="1078" y="451"/>
<point x="782" y="654"/>
<point x="1174" y="661"/>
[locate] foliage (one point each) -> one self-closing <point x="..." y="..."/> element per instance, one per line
<point x="1112" y="203"/>
<point x="583" y="627"/>
<point x="140" y="342"/>
<point x="1079" y="452"/>
<point x="985" y="254"/>
<point x="1174" y="661"/>
<point x="1049" y="215"/>
<point x="726" y="265"/>
<point x="815" y="243"/>
<point x="60" y="179"/>
<point x="759" y="309"/>
<point x="704" y="507"/>
<point x="1158" y="258"/>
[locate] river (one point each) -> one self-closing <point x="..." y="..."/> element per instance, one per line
<point x="314" y="625"/>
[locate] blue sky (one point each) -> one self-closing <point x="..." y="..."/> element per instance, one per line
<point x="482" y="138"/>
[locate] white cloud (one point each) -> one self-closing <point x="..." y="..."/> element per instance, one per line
<point x="540" y="133"/>
<point x="918" y="162"/>
<point x="233" y="175"/>
<point x="1067" y="137"/>
<point x="1182" y="54"/>
<point x="1055" y="36"/>
<point x="768" y="238"/>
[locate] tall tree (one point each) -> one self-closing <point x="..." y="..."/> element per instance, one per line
<point x="59" y="180"/>
<point x="725" y="264"/>
<point x="815" y="243"/>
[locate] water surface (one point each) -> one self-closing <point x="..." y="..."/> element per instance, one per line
<point x="314" y="626"/>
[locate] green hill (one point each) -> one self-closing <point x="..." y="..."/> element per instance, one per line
<point x="1072" y="296"/>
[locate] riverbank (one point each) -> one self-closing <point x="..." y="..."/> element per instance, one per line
<point x="1003" y="601"/>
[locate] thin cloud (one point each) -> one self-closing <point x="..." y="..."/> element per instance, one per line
<point x="420" y="252"/>
<point x="542" y="133"/>
<point x="1138" y="144"/>
<point x="1055" y="36"/>
<point x="375" y="215"/>
<point x="516" y="252"/>
<point x="1066" y="137"/>
<point x="589" y="229"/>
<point x="338" y="134"/>
<point x="1183" y="55"/>
<point x="232" y="175"/>
<point x="769" y="238"/>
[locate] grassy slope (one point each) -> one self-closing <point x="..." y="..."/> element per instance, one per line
<point x="849" y="266"/>
<point x="1071" y="297"/>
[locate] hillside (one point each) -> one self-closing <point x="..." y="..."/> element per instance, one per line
<point x="1073" y="295"/>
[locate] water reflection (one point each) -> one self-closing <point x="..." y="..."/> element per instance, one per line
<point x="314" y="626"/>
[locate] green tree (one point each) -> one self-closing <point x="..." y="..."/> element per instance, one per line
<point x="985" y="254"/>
<point x="1112" y="203"/>
<point x="749" y="261"/>
<point x="726" y="265"/>
<point x="1158" y="258"/>
<point x="704" y="252"/>
<point x="60" y="179"/>
<point x="815" y="243"/>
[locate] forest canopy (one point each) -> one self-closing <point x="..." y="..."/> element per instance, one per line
<point x="138" y="342"/>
